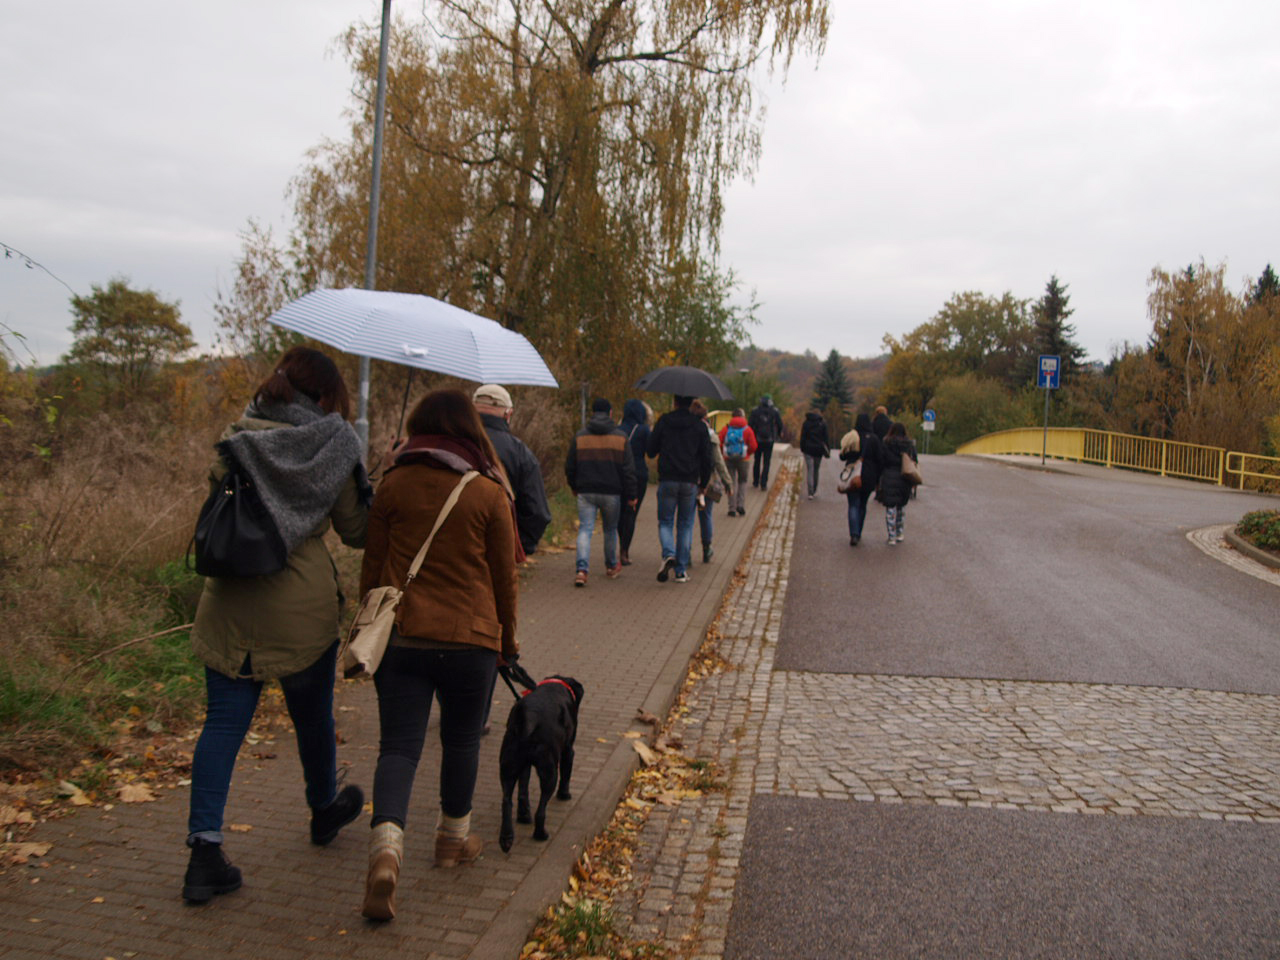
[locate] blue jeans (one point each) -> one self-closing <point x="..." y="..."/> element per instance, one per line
<point x="610" y="507"/>
<point x="705" y="525"/>
<point x="677" y="502"/>
<point x="232" y="702"/>
<point x="407" y="680"/>
<point x="857" y="512"/>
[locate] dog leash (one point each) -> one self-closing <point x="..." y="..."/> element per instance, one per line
<point x="509" y="670"/>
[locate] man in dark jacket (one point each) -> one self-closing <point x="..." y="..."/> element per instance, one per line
<point x="881" y="423"/>
<point x="493" y="403"/>
<point x="766" y="423"/>
<point x="682" y="444"/>
<point x="602" y="474"/>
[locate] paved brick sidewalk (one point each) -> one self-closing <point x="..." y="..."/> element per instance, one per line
<point x="109" y="887"/>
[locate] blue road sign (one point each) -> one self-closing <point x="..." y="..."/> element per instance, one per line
<point x="1050" y="369"/>
<point x="930" y="416"/>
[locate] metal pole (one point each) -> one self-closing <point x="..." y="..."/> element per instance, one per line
<point x="371" y="244"/>
<point x="1045" y="445"/>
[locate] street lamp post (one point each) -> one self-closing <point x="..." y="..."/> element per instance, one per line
<point x="371" y="243"/>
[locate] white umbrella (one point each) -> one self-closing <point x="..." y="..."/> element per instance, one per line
<point x="417" y="331"/>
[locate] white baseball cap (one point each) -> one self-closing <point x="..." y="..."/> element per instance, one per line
<point x="492" y="395"/>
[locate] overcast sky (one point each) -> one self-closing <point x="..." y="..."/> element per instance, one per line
<point x="936" y="147"/>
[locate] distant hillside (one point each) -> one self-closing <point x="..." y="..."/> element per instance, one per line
<point x="790" y="378"/>
<point x="796" y="372"/>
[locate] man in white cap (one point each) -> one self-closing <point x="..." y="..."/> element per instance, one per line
<point x="493" y="403"/>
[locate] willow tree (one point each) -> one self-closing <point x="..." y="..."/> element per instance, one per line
<point x="557" y="165"/>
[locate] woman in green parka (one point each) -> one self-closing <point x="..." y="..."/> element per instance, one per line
<point x="304" y="458"/>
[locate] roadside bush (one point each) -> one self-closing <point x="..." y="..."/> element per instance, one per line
<point x="1261" y="528"/>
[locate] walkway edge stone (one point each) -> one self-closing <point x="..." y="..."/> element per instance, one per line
<point x="547" y="880"/>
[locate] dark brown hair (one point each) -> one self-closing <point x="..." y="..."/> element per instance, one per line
<point x="309" y="372"/>
<point x="451" y="413"/>
<point x="899" y="429"/>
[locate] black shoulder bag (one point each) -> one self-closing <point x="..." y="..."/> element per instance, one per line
<point x="235" y="535"/>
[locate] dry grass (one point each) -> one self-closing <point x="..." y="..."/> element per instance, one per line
<point x="94" y="527"/>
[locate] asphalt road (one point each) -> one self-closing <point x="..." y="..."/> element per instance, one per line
<point x="1006" y="573"/>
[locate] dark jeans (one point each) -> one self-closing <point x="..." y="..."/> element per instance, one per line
<point x="627" y="521"/>
<point x="857" y="510"/>
<point x="407" y="681"/>
<point x="760" y="464"/>
<point x="232" y="702"/>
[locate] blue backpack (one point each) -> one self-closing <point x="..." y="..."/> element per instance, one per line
<point x="735" y="442"/>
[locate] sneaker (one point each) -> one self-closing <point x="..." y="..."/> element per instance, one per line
<point x="342" y="809"/>
<point x="613" y="572"/>
<point x="580" y="578"/>
<point x="898" y="538"/>
<point x="853" y="541"/>
<point x="892" y="541"/>
<point x="811" y="496"/>
<point x="682" y="578"/>
<point x="707" y="554"/>
<point x="209" y="873"/>
<point x="624" y="558"/>
<point x="665" y="569"/>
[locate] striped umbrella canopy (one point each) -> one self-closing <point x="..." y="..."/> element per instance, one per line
<point x="417" y="331"/>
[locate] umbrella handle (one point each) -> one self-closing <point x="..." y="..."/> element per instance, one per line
<point x="404" y="404"/>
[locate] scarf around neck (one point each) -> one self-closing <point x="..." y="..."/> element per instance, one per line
<point x="299" y="468"/>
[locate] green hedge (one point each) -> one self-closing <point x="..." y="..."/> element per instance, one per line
<point x="1261" y="528"/>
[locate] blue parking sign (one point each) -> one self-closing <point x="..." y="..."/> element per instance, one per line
<point x="1050" y="368"/>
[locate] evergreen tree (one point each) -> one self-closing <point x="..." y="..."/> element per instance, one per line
<point x="1052" y="334"/>
<point x="832" y="384"/>
<point x="1267" y="286"/>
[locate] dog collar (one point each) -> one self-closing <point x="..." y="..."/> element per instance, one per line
<point x="543" y="683"/>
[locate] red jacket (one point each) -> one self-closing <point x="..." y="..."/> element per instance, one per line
<point x="748" y="435"/>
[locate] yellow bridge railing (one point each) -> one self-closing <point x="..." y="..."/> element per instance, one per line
<point x="1168" y="458"/>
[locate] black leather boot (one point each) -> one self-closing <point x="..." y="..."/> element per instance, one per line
<point x="208" y="873"/>
<point x="342" y="809"/>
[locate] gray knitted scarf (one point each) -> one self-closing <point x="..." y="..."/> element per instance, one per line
<point x="298" y="470"/>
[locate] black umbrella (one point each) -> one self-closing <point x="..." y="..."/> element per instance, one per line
<point x="684" y="382"/>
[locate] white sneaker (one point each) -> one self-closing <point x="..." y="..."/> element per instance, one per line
<point x="899" y="538"/>
<point x="892" y="541"/>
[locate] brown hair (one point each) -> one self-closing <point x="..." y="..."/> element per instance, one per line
<point x="698" y="410"/>
<point x="451" y="413"/>
<point x="309" y="372"/>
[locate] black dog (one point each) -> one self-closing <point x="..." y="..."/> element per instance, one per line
<point x="540" y="732"/>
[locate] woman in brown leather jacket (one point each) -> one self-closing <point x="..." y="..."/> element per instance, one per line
<point x="456" y="619"/>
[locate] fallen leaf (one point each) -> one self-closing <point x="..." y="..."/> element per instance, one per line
<point x="669" y="798"/>
<point x="69" y="790"/>
<point x="644" y="716"/>
<point x="10" y="815"/>
<point x="647" y="756"/>
<point x="98" y="900"/>
<point x="602" y="739"/>
<point x="136" y="793"/>
<point x="21" y="852"/>
<point x="240" y="827"/>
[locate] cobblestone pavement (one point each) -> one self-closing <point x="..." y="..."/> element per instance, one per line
<point x="1051" y="748"/>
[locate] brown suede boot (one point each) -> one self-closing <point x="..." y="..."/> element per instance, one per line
<point x="455" y="843"/>
<point x="386" y="849"/>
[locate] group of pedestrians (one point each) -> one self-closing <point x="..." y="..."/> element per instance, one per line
<point x="607" y="468"/>
<point x="456" y="619"/>
<point x="878" y="445"/>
